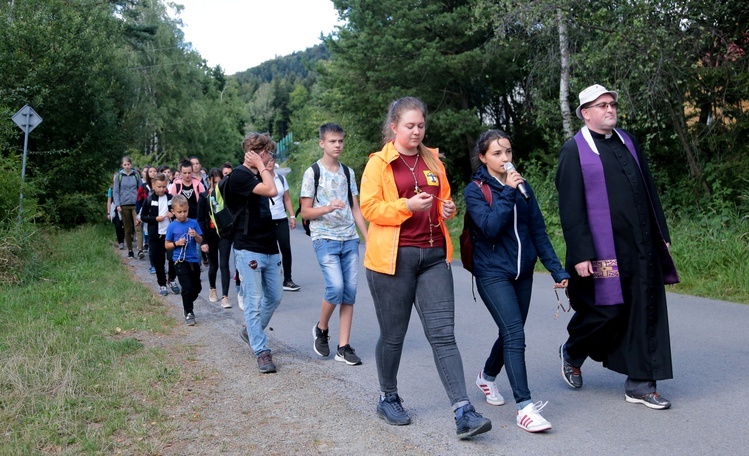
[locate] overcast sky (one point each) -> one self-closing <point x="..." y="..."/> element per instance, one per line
<point x="241" y="34"/>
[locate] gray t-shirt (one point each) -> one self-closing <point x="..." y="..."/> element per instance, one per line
<point x="338" y="225"/>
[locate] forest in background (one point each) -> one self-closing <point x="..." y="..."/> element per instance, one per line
<point x="116" y="77"/>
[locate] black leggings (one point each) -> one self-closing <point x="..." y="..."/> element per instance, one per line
<point x="284" y="244"/>
<point x="189" y="279"/>
<point x="158" y="253"/>
<point x="219" y="250"/>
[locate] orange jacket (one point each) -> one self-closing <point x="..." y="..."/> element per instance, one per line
<point x="386" y="211"/>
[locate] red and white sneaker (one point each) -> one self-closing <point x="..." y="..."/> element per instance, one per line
<point x="529" y="419"/>
<point x="490" y="390"/>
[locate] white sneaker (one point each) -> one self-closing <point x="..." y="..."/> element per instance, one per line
<point x="490" y="390"/>
<point x="530" y="420"/>
<point x="240" y="301"/>
<point x="213" y="296"/>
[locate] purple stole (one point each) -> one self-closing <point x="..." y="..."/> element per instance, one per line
<point x="608" y="286"/>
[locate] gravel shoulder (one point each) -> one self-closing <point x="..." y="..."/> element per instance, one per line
<point x="225" y="406"/>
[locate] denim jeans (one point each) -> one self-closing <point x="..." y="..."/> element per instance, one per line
<point x="339" y="262"/>
<point x="261" y="293"/>
<point x="508" y="302"/>
<point x="422" y="279"/>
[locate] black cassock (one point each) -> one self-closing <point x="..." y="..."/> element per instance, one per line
<point x="632" y="338"/>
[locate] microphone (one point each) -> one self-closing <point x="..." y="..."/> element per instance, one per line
<point x="521" y="186"/>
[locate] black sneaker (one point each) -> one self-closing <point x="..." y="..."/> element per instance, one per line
<point x="469" y="422"/>
<point x="571" y="374"/>
<point x="190" y="319"/>
<point x="141" y="255"/>
<point x="347" y="355"/>
<point x="130" y="254"/>
<point x="321" y="341"/>
<point x="265" y="363"/>
<point x="650" y="400"/>
<point x="289" y="285"/>
<point x="244" y="336"/>
<point x="389" y="408"/>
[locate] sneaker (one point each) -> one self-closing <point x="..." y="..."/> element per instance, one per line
<point x="122" y="246"/>
<point x="174" y="287"/>
<point x="213" y="296"/>
<point x="130" y="254"/>
<point x="469" y="422"/>
<point x="225" y="302"/>
<point x="490" y="390"/>
<point x="190" y="319"/>
<point x="571" y="374"/>
<point x="152" y="270"/>
<point x="650" y="400"/>
<point x="389" y="408"/>
<point x="529" y="419"/>
<point x="347" y="355"/>
<point x="321" y="341"/>
<point x="163" y="291"/>
<point x="244" y="336"/>
<point x="240" y="301"/>
<point x="141" y="255"/>
<point x="290" y="286"/>
<point x="265" y="363"/>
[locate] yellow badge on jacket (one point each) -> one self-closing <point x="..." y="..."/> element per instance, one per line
<point x="431" y="178"/>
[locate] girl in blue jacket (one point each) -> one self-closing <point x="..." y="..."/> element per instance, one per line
<point x="510" y="234"/>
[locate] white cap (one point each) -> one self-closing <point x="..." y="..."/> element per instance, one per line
<point x="591" y="94"/>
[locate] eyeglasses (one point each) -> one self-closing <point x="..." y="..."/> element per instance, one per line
<point x="613" y="105"/>
<point x="260" y="151"/>
<point x="559" y="303"/>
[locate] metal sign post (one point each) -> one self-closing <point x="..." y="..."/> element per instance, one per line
<point x="27" y="119"/>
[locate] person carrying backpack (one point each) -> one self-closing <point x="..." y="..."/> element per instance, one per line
<point x="330" y="204"/>
<point x="125" y="195"/>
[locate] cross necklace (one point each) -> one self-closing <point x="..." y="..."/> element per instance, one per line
<point x="417" y="190"/>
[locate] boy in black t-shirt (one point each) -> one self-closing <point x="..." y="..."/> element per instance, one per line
<point x="255" y="247"/>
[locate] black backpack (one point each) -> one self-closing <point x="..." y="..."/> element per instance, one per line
<point x="316" y="172"/>
<point x="223" y="217"/>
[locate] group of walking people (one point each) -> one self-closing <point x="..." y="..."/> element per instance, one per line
<point x="612" y="220"/>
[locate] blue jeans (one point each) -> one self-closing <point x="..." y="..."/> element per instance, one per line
<point x="508" y="302"/>
<point x="262" y="287"/>
<point x="422" y="279"/>
<point x="339" y="262"/>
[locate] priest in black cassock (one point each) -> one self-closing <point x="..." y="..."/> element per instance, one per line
<point x="617" y="254"/>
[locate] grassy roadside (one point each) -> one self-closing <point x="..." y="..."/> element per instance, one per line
<point x="79" y="372"/>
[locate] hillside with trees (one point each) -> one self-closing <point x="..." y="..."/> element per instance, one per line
<point x="114" y="78"/>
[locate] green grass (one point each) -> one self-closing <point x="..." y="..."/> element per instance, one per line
<point x="712" y="256"/>
<point x="75" y="374"/>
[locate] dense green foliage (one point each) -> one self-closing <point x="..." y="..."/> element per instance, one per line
<point x="116" y="77"/>
<point x="109" y="79"/>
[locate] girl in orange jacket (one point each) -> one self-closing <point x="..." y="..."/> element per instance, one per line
<point x="406" y="198"/>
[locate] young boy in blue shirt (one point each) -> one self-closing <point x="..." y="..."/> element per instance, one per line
<point x="184" y="235"/>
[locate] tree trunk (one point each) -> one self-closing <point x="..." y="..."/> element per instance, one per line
<point x="680" y="125"/>
<point x="564" y="80"/>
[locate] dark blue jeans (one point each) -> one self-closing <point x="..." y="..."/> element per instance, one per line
<point x="422" y="279"/>
<point x="508" y="302"/>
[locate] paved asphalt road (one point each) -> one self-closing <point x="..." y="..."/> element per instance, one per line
<point x="710" y="396"/>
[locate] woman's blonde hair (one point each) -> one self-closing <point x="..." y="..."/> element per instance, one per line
<point x="395" y="112"/>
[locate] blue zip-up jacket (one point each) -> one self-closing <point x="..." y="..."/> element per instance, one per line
<point x="511" y="234"/>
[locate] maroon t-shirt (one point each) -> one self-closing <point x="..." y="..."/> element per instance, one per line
<point x="415" y="231"/>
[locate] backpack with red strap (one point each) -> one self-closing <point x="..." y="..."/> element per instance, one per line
<point x="467" y="238"/>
